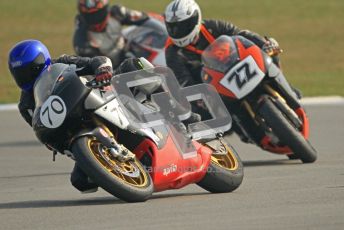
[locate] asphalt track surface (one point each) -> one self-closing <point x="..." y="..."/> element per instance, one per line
<point x="276" y="193"/>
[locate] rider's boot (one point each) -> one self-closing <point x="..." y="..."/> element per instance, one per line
<point x="81" y="181"/>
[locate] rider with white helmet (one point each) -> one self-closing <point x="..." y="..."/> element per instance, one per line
<point x="190" y="35"/>
<point x="183" y="21"/>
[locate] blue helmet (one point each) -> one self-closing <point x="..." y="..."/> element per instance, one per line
<point x="26" y="61"/>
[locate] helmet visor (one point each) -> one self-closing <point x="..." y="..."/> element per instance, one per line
<point x="26" y="75"/>
<point x="96" y="17"/>
<point x="183" y="28"/>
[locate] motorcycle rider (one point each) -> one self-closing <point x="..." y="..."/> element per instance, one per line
<point x="189" y="35"/>
<point x="29" y="58"/>
<point x="98" y="29"/>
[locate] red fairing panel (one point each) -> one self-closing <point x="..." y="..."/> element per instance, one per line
<point x="169" y="169"/>
<point x="253" y="51"/>
<point x="216" y="77"/>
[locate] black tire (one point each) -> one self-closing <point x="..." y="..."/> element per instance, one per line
<point x="286" y="132"/>
<point x="127" y="188"/>
<point x="225" y="172"/>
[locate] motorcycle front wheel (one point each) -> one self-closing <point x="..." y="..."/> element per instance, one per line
<point x="127" y="180"/>
<point x="286" y="132"/>
<point x="225" y="172"/>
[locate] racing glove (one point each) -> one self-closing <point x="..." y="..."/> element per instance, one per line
<point x="103" y="75"/>
<point x="271" y="47"/>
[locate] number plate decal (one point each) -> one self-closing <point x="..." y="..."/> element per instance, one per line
<point x="243" y="77"/>
<point x="53" y="112"/>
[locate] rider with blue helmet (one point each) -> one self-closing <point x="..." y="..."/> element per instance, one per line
<point x="28" y="59"/>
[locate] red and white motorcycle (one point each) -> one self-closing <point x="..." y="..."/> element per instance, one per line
<point x="264" y="108"/>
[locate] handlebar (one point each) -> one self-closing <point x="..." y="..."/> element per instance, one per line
<point x="95" y="85"/>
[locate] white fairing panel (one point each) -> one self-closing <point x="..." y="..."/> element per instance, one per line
<point x="113" y="113"/>
<point x="243" y="78"/>
<point x="159" y="60"/>
<point x="53" y="112"/>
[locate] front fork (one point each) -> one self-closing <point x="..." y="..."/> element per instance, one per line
<point x="297" y="117"/>
<point x="279" y="101"/>
<point x="109" y="143"/>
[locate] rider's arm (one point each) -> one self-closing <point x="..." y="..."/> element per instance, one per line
<point x="177" y="63"/>
<point x="26" y="106"/>
<point x="218" y="28"/>
<point x="128" y="16"/>
<point x="81" y="44"/>
<point x="85" y="65"/>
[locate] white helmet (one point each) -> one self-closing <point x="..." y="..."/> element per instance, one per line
<point x="183" y="21"/>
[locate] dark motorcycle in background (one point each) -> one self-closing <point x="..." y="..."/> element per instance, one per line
<point x="146" y="40"/>
<point x="265" y="110"/>
<point x="129" y="147"/>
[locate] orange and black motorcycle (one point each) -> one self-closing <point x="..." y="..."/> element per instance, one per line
<point x="265" y="109"/>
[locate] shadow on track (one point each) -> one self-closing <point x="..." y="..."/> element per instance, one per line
<point x="20" y="144"/>
<point x="60" y="203"/>
<point x="86" y="202"/>
<point x="271" y="163"/>
<point x="164" y="196"/>
<point x="34" y="175"/>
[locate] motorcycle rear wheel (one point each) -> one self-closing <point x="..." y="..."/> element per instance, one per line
<point x="127" y="180"/>
<point x="225" y="172"/>
<point x="286" y="132"/>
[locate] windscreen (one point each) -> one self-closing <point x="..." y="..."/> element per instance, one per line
<point x="223" y="53"/>
<point x="45" y="83"/>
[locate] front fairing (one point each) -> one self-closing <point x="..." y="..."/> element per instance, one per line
<point x="234" y="65"/>
<point x="58" y="94"/>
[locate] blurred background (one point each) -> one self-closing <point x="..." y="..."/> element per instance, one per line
<point x="310" y="32"/>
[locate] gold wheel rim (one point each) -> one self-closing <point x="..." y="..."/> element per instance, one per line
<point x="227" y="161"/>
<point x="130" y="172"/>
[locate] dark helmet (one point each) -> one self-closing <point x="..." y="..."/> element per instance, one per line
<point x="26" y="61"/>
<point x="94" y="12"/>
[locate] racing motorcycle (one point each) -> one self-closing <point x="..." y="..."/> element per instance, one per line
<point x="147" y="40"/>
<point x="133" y="142"/>
<point x="265" y="110"/>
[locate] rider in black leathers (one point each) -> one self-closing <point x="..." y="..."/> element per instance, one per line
<point x="189" y="36"/>
<point x="25" y="73"/>
<point x="98" y="29"/>
<point x="186" y="64"/>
